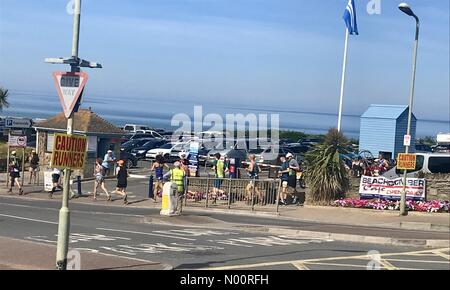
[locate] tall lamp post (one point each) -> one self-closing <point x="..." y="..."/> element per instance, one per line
<point x="404" y="7"/>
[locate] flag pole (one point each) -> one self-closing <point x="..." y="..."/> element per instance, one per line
<point x="344" y="69"/>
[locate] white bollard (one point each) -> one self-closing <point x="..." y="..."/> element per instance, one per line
<point x="169" y="199"/>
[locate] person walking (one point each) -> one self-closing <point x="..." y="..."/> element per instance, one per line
<point x="294" y="167"/>
<point x="56" y="178"/>
<point x="253" y="171"/>
<point x="33" y="159"/>
<point x="99" y="173"/>
<point x="14" y="174"/>
<point x="122" y="180"/>
<point x="177" y="175"/>
<point x="108" y="162"/>
<point x="219" y="173"/>
<point x="158" y="167"/>
<point x="284" y="174"/>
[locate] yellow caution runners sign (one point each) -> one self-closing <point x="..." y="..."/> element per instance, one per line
<point x="406" y="161"/>
<point x="69" y="152"/>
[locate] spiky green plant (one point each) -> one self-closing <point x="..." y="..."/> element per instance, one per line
<point x="3" y="98"/>
<point x="326" y="174"/>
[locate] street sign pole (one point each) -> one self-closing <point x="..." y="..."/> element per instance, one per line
<point x="70" y="88"/>
<point x="64" y="214"/>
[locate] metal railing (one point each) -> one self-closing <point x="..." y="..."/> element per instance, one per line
<point x="233" y="193"/>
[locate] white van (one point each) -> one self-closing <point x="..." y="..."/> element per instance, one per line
<point x="133" y="128"/>
<point x="427" y="163"/>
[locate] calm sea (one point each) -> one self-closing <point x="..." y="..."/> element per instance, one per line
<point x="159" y="113"/>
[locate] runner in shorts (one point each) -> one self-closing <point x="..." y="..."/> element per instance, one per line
<point x="99" y="174"/>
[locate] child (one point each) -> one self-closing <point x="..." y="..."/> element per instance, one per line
<point x="14" y="174"/>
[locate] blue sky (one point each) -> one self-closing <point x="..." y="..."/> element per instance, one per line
<point x="267" y="53"/>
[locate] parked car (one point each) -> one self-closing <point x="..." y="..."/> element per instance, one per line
<point x="268" y="157"/>
<point x="230" y="148"/>
<point x="151" y="133"/>
<point x="130" y="159"/>
<point x="297" y="148"/>
<point x="422" y="148"/>
<point x="141" y="151"/>
<point x="441" y="149"/>
<point x="133" y="128"/>
<point x="168" y="150"/>
<point x="427" y="163"/>
<point x="309" y="141"/>
<point x="130" y="145"/>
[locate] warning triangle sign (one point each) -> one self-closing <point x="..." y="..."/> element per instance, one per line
<point x="69" y="86"/>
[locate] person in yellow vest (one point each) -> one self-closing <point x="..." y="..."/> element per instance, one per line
<point x="177" y="175"/>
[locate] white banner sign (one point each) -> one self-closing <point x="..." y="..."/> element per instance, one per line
<point x="384" y="188"/>
<point x="17" y="141"/>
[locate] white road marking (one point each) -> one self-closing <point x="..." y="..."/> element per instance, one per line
<point x="146" y="234"/>
<point x="28" y="219"/>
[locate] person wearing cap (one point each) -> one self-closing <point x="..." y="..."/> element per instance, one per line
<point x="122" y="180"/>
<point x="284" y="174"/>
<point x="108" y="162"/>
<point x="33" y="159"/>
<point x="294" y="167"/>
<point x="177" y="175"/>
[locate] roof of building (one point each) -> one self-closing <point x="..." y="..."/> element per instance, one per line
<point x="85" y="121"/>
<point x="385" y="112"/>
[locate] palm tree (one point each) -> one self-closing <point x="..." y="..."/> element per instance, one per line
<point x="4" y="98"/>
<point x="326" y="175"/>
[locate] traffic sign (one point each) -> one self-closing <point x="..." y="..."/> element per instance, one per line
<point x="69" y="86"/>
<point x="69" y="152"/>
<point x="18" y="123"/>
<point x="406" y="161"/>
<point x="17" y="141"/>
<point x="407" y="140"/>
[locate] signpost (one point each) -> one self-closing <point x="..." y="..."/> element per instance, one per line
<point x="69" y="152"/>
<point x="407" y="140"/>
<point x="406" y="161"/>
<point x="17" y="141"/>
<point x="18" y="123"/>
<point x="70" y="88"/>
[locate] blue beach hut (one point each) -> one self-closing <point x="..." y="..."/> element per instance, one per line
<point x="383" y="128"/>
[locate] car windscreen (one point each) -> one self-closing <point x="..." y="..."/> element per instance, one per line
<point x="439" y="164"/>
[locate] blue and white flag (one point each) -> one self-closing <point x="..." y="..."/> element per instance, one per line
<point x="350" y="18"/>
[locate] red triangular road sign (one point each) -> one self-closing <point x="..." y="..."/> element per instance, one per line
<point x="69" y="87"/>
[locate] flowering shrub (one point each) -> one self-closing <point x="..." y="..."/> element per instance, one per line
<point x="434" y="206"/>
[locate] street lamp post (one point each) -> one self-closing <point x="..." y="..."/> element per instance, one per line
<point x="64" y="215"/>
<point x="407" y="10"/>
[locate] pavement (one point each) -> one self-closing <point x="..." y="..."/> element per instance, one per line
<point x="138" y="237"/>
<point x="218" y="237"/>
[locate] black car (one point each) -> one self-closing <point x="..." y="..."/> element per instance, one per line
<point x="130" y="145"/>
<point x="309" y="141"/>
<point x="130" y="159"/>
<point x="298" y="148"/>
<point x="141" y="151"/>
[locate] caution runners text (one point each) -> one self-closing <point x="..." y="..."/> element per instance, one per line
<point x="69" y="152"/>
